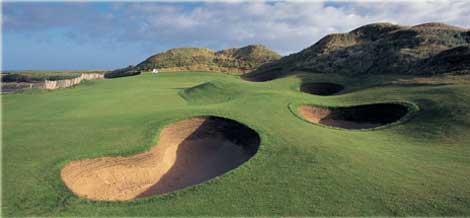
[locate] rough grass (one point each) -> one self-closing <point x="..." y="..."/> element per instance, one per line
<point x="418" y="168"/>
<point x="426" y="49"/>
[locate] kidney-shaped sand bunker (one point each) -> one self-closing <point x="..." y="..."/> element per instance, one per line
<point x="188" y="152"/>
<point x="355" y="117"/>
<point x="321" y="88"/>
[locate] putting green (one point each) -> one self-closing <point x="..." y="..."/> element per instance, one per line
<point x="418" y="167"/>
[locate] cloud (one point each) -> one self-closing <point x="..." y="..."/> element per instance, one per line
<point x="283" y="26"/>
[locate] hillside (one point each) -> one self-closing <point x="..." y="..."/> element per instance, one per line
<point x="232" y="60"/>
<point x="380" y="48"/>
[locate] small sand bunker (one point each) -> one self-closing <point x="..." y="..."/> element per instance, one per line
<point x="355" y="117"/>
<point x="188" y="152"/>
<point x="272" y="74"/>
<point x="321" y="88"/>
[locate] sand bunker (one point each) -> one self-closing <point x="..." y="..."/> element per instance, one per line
<point x="355" y="117"/>
<point x="188" y="152"/>
<point x="264" y="77"/>
<point x="321" y="88"/>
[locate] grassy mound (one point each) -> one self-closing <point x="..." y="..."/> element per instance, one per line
<point x="210" y="92"/>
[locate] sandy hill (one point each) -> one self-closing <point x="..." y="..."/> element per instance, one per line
<point x="233" y="60"/>
<point x="430" y="48"/>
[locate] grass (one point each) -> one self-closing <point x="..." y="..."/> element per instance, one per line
<point x="210" y="92"/>
<point x="416" y="168"/>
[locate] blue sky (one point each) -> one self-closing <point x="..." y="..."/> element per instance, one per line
<point x="108" y="35"/>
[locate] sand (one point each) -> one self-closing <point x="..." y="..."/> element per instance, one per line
<point x="355" y="117"/>
<point x="321" y="88"/>
<point x="188" y="152"/>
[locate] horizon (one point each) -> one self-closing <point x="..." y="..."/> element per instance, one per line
<point x="110" y="35"/>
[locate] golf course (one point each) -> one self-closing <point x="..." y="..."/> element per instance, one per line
<point x="413" y="161"/>
<point x="225" y="108"/>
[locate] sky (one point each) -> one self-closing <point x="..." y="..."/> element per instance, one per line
<point x="110" y="35"/>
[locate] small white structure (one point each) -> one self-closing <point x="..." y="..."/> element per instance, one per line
<point x="155" y="71"/>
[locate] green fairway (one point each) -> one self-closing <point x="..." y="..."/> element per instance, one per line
<point x="420" y="167"/>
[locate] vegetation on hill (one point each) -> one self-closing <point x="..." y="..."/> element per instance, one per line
<point x="233" y="60"/>
<point x="123" y="72"/>
<point x="381" y="48"/>
<point x="36" y="76"/>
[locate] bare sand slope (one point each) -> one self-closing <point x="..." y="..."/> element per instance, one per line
<point x="188" y="152"/>
<point x="355" y="117"/>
